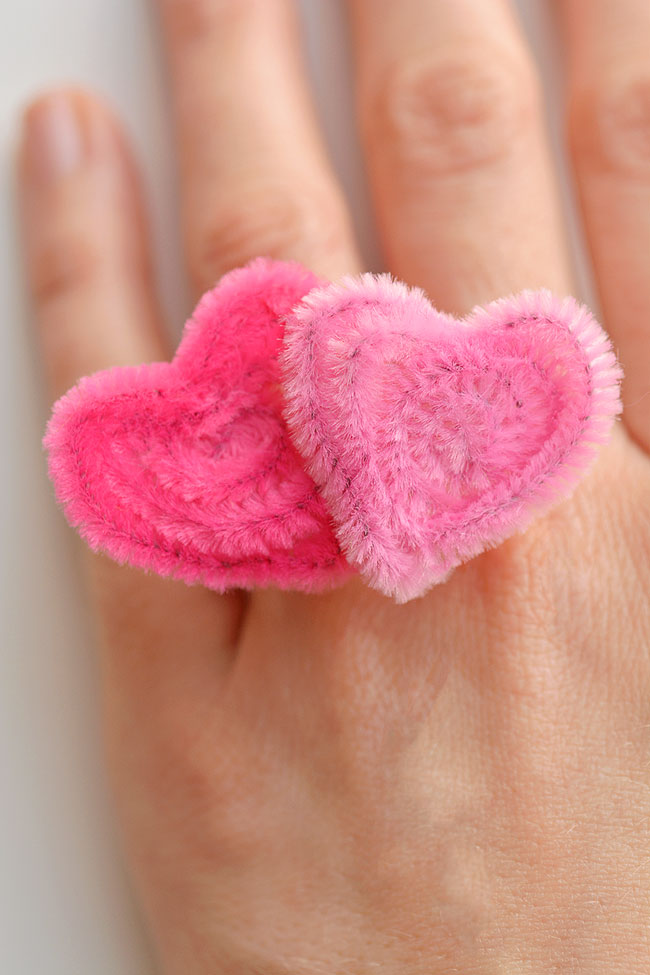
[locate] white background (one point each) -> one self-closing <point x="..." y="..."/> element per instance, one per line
<point x="65" y="903"/>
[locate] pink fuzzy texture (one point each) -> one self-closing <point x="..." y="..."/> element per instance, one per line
<point x="186" y="468"/>
<point x="433" y="438"/>
<point x="306" y="431"/>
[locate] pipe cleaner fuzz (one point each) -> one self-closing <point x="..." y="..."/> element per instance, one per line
<point x="433" y="438"/>
<point x="186" y="468"/>
<point x="305" y="432"/>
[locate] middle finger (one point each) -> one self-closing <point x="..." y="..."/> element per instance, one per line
<point x="451" y="114"/>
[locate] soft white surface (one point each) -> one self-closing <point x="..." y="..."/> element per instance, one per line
<point x="65" y="905"/>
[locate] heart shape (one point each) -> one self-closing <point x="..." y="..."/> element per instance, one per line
<point x="186" y="467"/>
<point x="433" y="438"/>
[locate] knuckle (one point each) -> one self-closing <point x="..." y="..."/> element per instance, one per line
<point x="60" y="267"/>
<point x="215" y="794"/>
<point x="193" y="20"/>
<point x="275" y="221"/>
<point x="460" y="111"/>
<point x="609" y="121"/>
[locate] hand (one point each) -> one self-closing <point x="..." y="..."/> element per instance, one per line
<point x="336" y="783"/>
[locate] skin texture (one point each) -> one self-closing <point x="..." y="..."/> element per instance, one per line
<point x="318" y="784"/>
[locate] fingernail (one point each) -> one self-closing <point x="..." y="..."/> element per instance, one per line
<point x="53" y="138"/>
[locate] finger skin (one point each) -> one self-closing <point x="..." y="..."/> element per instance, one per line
<point x="608" y="118"/>
<point x="255" y="177"/>
<point x="89" y="271"/>
<point x="84" y="235"/>
<point x="451" y="116"/>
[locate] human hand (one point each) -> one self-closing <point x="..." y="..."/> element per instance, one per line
<point x="335" y="783"/>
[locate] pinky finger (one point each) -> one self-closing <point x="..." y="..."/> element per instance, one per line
<point x="89" y="270"/>
<point x="85" y="241"/>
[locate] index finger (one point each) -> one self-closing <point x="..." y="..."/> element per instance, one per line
<point x="609" y="130"/>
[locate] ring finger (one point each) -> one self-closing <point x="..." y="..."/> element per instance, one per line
<point x="254" y="173"/>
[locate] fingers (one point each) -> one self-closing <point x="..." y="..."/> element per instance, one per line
<point x="451" y="117"/>
<point x="90" y="275"/>
<point x="87" y="259"/>
<point x="609" y="134"/>
<point x="255" y="177"/>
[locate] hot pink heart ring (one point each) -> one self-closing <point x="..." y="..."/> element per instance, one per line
<point x="306" y="431"/>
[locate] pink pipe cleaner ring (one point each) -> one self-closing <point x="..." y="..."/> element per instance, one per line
<point x="433" y="438"/>
<point x="187" y="468"/>
<point x="305" y="432"/>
